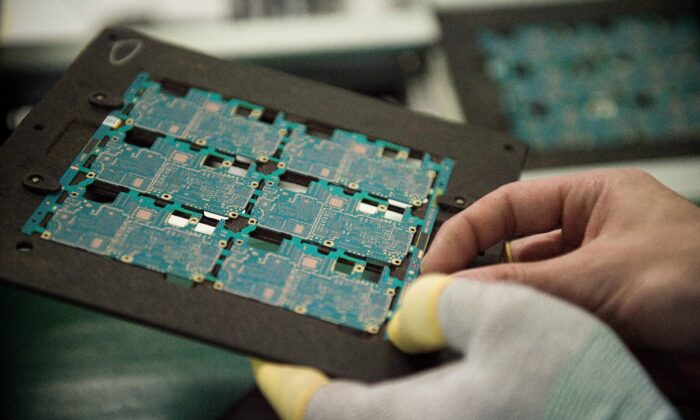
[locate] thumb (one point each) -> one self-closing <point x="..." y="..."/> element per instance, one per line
<point x="445" y="311"/>
<point x="288" y="388"/>
<point x="571" y="277"/>
<point x="416" y="328"/>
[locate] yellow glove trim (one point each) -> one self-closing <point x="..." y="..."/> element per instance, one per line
<point x="288" y="388"/>
<point x="415" y="328"/>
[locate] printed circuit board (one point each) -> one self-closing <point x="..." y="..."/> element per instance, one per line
<point x="218" y="191"/>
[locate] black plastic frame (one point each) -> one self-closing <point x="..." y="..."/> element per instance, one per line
<point x="58" y="128"/>
<point x="479" y="96"/>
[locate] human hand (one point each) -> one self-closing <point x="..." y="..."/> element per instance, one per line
<point x="616" y="242"/>
<point x="525" y="355"/>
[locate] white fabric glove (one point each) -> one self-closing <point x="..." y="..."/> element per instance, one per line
<point x="525" y="355"/>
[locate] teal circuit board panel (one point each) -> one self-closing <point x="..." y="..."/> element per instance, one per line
<point x="218" y="191"/>
<point x="584" y="85"/>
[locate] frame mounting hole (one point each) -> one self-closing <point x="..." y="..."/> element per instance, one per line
<point x="24" y="246"/>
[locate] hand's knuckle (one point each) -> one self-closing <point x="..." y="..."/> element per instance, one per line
<point x="511" y="272"/>
<point x="635" y="173"/>
<point x="449" y="224"/>
<point x="504" y="190"/>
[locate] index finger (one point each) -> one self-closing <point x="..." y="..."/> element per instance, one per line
<point x="523" y="207"/>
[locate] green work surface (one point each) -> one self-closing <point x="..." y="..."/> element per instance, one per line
<point x="61" y="361"/>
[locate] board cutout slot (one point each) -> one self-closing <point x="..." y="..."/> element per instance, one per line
<point x="319" y="130"/>
<point x="140" y="137"/>
<point x="343" y="266"/>
<point x="236" y="224"/>
<point x="213" y="161"/>
<point x="295" y="182"/>
<point x="373" y="272"/>
<point x="399" y="271"/>
<point x="389" y="153"/>
<point x="127" y="109"/>
<point x="174" y="88"/>
<point x="322" y="249"/>
<point x="88" y="163"/>
<point x="268" y="235"/>
<point x="45" y="220"/>
<point x="266" y="240"/>
<point x="103" y="192"/>
<point x="159" y="202"/>
<point x="313" y="127"/>
<point x="61" y="198"/>
<point x="206" y="225"/>
<point x="179" y="219"/>
<point x="395" y="298"/>
<point x="78" y="178"/>
<point x="243" y="111"/>
<point x="268" y="116"/>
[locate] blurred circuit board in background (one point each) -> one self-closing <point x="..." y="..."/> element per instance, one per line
<point x="581" y="83"/>
<point x="631" y="79"/>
